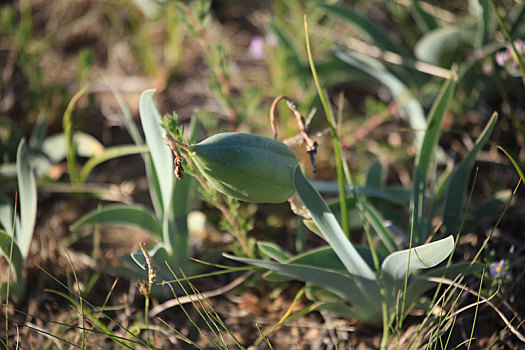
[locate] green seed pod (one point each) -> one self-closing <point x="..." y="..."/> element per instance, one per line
<point x="248" y="167"/>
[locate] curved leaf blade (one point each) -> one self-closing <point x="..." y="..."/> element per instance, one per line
<point x="129" y="215"/>
<point x="423" y="257"/>
<point x="431" y="47"/>
<point x="108" y="154"/>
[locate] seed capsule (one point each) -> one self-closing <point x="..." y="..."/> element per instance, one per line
<point x="248" y="167"/>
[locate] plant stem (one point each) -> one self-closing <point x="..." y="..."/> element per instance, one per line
<point x="335" y="138"/>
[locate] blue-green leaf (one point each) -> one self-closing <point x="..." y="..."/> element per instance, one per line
<point x="108" y="154"/>
<point x="28" y="199"/>
<point x="348" y="287"/>
<point x="332" y="232"/>
<point x="274" y="251"/>
<point x="161" y="154"/>
<point x="423" y="257"/>
<point x="135" y="215"/>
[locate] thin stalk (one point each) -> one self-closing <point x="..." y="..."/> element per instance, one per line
<point x="11" y="247"/>
<point x="509" y="39"/>
<point x="335" y="137"/>
<point x="476" y="312"/>
<point x="67" y="124"/>
<point x="80" y="300"/>
<point x="400" y="323"/>
<point x="342" y="177"/>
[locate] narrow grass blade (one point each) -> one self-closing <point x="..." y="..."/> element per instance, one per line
<point x="330" y="228"/>
<point x="376" y="221"/>
<point x="108" y="154"/>
<point x="514" y="163"/>
<point x="67" y="124"/>
<point x="392" y="194"/>
<point x="410" y="107"/>
<point x="419" y="286"/>
<point x="457" y="185"/>
<point x="28" y="199"/>
<point x="367" y="26"/>
<point x="425" y="20"/>
<point x="424" y="159"/>
<point x="130" y="215"/>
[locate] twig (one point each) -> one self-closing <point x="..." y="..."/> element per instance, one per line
<point x="311" y="145"/>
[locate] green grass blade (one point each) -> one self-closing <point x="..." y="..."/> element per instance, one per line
<point x="410" y="108"/>
<point x="28" y="199"/>
<point x="392" y="194"/>
<point x="376" y="221"/>
<point x="161" y="154"/>
<point x="67" y="124"/>
<point x="367" y="26"/>
<point x="130" y="215"/>
<point x="425" y="20"/>
<point x="340" y="160"/>
<point x="424" y="159"/>
<point x="514" y="163"/>
<point x="457" y="185"/>
<point x="107" y="154"/>
<point x="332" y="232"/>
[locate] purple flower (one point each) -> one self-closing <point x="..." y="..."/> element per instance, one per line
<point x="497" y="269"/>
<point x="501" y="58"/>
<point x="257" y="47"/>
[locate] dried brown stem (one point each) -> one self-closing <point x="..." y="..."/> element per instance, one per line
<point x="311" y="145"/>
